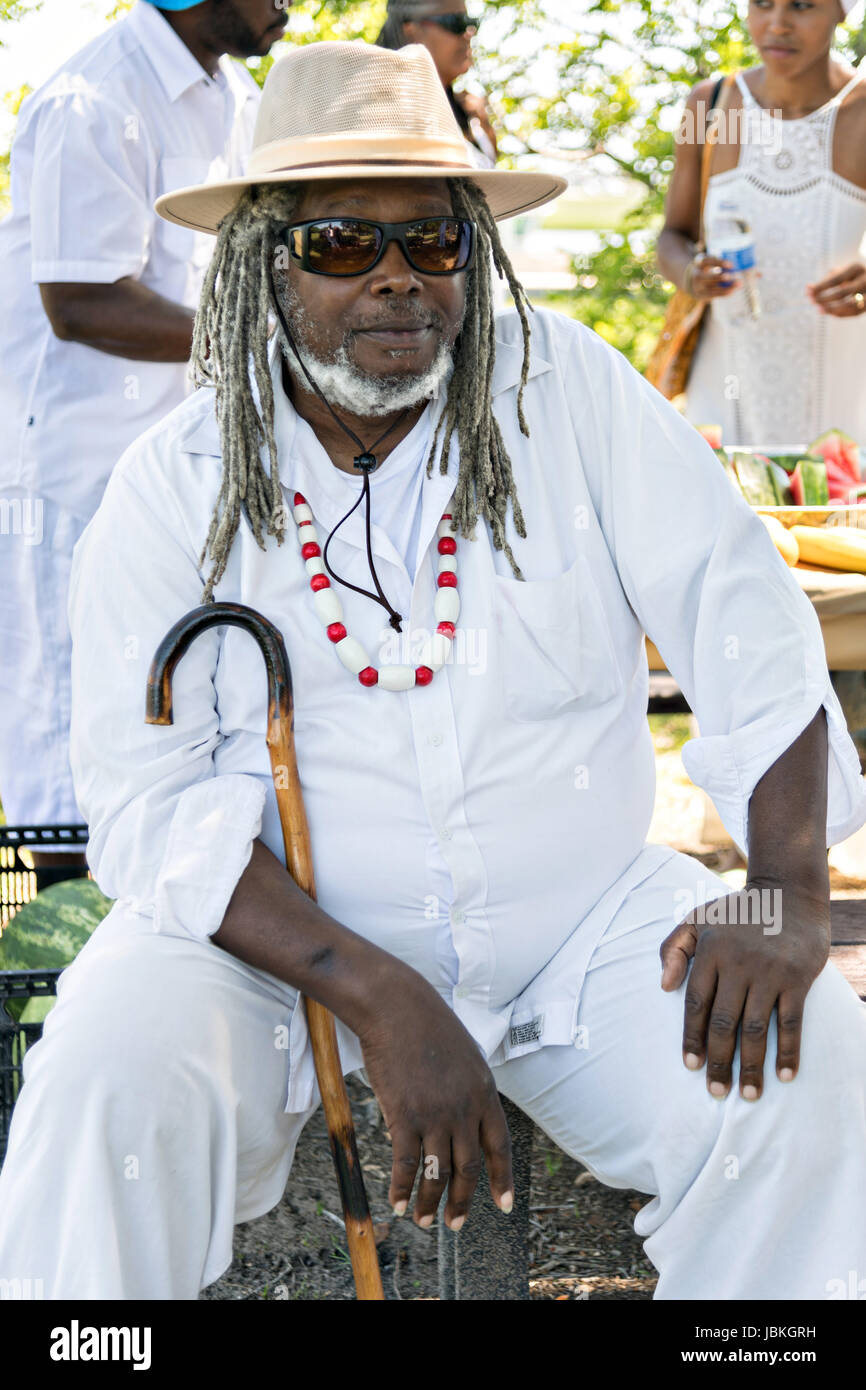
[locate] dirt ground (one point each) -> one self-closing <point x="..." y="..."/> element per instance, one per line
<point x="582" y="1241"/>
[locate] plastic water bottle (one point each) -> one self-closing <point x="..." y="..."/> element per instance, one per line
<point x="730" y="239"/>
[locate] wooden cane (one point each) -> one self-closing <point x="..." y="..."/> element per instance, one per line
<point x="299" y="862"/>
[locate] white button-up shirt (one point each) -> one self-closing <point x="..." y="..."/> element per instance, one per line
<point x="486" y="827"/>
<point x="131" y="116"/>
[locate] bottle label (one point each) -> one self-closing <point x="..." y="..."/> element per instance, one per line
<point x="741" y="257"/>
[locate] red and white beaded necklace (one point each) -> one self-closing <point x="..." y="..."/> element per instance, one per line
<point x="446" y="608"/>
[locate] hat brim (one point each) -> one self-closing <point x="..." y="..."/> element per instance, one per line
<point x="508" y="193"/>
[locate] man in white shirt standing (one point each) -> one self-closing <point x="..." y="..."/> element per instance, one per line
<point x="477" y="537"/>
<point x="99" y="297"/>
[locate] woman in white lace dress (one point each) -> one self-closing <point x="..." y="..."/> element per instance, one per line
<point x="791" y="159"/>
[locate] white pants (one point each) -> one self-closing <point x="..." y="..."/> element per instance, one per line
<point x="152" y="1120"/>
<point x="35" y="655"/>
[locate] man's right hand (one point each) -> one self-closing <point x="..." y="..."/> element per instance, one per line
<point x="440" y="1104"/>
<point x="432" y="1082"/>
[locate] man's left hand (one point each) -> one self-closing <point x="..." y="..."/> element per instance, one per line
<point x="742" y="969"/>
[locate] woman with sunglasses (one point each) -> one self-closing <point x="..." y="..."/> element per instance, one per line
<point x="445" y="30"/>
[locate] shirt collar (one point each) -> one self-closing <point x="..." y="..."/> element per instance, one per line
<point x="508" y="366"/>
<point x="176" y="68"/>
<point x="202" y="437"/>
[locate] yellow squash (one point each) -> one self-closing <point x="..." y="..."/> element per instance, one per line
<point x="782" y="539"/>
<point x="832" y="547"/>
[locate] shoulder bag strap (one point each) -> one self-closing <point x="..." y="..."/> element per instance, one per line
<point x="721" y="96"/>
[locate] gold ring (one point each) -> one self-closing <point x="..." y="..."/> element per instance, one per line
<point x="859" y="301"/>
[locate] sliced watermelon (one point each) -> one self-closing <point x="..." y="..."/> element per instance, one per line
<point x="809" y="484"/>
<point x="841" y="489"/>
<point x="840" y="449"/>
<point x="781" y="484"/>
<point x="712" y="434"/>
<point x="787" y="461"/>
<point x="755" y="480"/>
<point x="840" y="484"/>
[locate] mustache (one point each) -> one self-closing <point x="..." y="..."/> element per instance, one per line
<point x="408" y="315"/>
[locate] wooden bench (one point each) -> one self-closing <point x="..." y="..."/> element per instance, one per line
<point x="489" y="1260"/>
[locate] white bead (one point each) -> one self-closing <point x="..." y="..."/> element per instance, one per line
<point x="434" y="652"/>
<point x="315" y="565"/>
<point x="447" y="562"/>
<point x="352" y="654"/>
<point x="328" y="606"/>
<point x="302" y="513"/>
<point x="446" y="605"/>
<point x="444" y="529"/>
<point x="396" y="677"/>
<point x="307" y="533"/>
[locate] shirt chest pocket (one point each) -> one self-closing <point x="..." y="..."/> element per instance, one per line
<point x="181" y="243"/>
<point x="555" y="647"/>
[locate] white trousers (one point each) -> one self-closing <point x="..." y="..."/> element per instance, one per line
<point x="36" y="546"/>
<point x="152" y="1120"/>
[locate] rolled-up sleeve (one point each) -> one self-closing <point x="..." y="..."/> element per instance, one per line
<point x="712" y="592"/>
<point x="92" y="188"/>
<point x="167" y="834"/>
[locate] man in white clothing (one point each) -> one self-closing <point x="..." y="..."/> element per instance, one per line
<point x="99" y="296"/>
<point x="477" y="768"/>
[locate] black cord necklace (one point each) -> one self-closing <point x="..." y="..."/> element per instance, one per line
<point x="366" y="462"/>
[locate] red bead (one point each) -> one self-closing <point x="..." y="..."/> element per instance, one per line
<point x="304" y="523"/>
<point x="447" y="545"/>
<point x="369" y="675"/>
<point x="309" y="549"/>
<point x="446" y="516"/>
<point x="319" y="581"/>
<point x="423" y="675"/>
<point x="336" y="631"/>
<point x="448" y="580"/>
<point x="300" y="499"/>
<point x="446" y="628"/>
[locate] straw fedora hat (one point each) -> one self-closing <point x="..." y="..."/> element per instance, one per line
<point x="352" y="111"/>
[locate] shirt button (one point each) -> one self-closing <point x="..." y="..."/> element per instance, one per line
<point x="436" y="740"/>
<point x="444" y="833"/>
<point x="458" y="917"/>
<point x="462" y="992"/>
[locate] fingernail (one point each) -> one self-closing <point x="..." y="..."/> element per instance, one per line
<point x="425" y="1221"/>
<point x="786" y="1074"/>
<point x="692" y="1061"/>
<point x="506" y="1202"/>
<point x="401" y="1208"/>
<point x="718" y="1089"/>
<point x="457" y="1223"/>
<point x="750" y="1093"/>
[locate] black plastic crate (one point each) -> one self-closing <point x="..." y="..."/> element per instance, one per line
<point x="18" y="884"/>
<point x="15" y="1037"/>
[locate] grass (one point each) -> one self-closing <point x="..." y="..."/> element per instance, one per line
<point x="670" y="731"/>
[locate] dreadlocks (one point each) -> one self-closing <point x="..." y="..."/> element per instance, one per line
<point x="231" y="330"/>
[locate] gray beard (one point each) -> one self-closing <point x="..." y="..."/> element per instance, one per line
<point x="344" y="385"/>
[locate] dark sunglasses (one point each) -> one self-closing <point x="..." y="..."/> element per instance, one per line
<point x="454" y="23"/>
<point x="349" y="246"/>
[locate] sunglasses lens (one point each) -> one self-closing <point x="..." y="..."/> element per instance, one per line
<point x="457" y="23"/>
<point x="440" y="245"/>
<point x="343" y="246"/>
